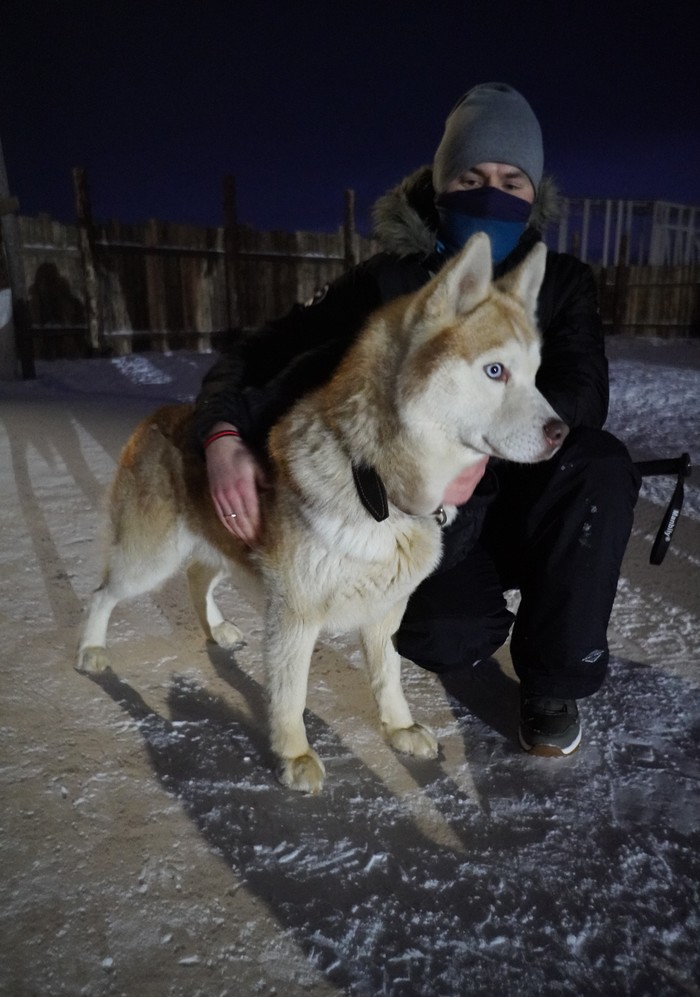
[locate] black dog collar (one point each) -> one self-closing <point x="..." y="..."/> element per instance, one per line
<point x="372" y="492"/>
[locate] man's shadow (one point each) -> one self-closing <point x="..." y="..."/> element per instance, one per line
<point x="485" y="691"/>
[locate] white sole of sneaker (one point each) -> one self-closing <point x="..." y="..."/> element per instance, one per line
<point x="549" y="750"/>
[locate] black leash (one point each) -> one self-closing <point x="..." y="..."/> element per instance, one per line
<point x="681" y="467"/>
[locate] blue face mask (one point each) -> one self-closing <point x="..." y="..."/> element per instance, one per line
<point x="486" y="209"/>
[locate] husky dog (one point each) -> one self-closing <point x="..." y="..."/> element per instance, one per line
<point x="435" y="380"/>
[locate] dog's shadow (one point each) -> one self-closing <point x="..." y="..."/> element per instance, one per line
<point x="288" y="847"/>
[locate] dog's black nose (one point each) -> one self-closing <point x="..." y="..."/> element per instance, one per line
<point x="555" y="432"/>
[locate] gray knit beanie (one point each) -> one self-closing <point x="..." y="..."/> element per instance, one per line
<point x="492" y="123"/>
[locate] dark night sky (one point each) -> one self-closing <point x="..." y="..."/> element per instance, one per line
<point x="299" y="99"/>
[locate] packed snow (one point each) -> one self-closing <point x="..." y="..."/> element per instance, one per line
<point x="147" y="848"/>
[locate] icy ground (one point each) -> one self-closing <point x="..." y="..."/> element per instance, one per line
<point x="146" y="849"/>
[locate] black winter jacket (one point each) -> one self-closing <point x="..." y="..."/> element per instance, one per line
<point x="268" y="370"/>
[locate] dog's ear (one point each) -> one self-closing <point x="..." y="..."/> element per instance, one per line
<point x="463" y="284"/>
<point x="526" y="279"/>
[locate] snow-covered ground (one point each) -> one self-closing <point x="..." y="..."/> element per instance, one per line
<point x="146" y="848"/>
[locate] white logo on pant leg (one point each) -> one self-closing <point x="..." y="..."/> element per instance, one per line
<point x="593" y="657"/>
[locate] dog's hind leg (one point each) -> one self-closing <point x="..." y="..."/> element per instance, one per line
<point x="288" y="645"/>
<point x="126" y="576"/>
<point x="384" y="667"/>
<point x="92" y="653"/>
<point x="203" y="579"/>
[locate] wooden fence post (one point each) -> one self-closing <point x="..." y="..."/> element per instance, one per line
<point x="349" y="230"/>
<point x="232" y="267"/>
<point x="17" y="339"/>
<point x="156" y="287"/>
<point x="86" y="241"/>
<point x="622" y="276"/>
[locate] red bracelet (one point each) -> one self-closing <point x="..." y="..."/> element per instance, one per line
<point x="217" y="436"/>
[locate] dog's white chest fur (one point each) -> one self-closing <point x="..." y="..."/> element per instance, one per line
<point x="347" y="568"/>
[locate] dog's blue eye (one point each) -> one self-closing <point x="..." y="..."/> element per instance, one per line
<point x="494" y="370"/>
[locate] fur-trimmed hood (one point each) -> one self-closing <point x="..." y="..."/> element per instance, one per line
<point x="405" y="220"/>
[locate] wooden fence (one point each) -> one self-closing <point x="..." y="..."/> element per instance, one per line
<point x="650" y="300"/>
<point x="114" y="288"/>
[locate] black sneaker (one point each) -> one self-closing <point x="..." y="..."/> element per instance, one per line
<point x="548" y="726"/>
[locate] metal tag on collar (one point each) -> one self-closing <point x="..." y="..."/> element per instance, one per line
<point x="440" y="516"/>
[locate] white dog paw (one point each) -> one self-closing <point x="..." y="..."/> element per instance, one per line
<point x="305" y="773"/>
<point x="227" y="635"/>
<point x="416" y="740"/>
<point x="93" y="660"/>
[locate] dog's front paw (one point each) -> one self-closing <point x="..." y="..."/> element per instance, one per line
<point x="416" y="740"/>
<point x="92" y="660"/>
<point x="305" y="773"/>
<point x="227" y="635"/>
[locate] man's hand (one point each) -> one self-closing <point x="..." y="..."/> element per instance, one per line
<point x="235" y="477"/>
<point x="461" y="489"/>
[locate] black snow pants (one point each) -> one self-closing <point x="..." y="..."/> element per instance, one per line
<point x="557" y="531"/>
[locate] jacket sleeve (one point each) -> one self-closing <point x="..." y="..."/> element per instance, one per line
<point x="573" y="375"/>
<point x="266" y="371"/>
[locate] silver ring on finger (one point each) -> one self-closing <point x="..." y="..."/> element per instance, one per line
<point x="230" y="515"/>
